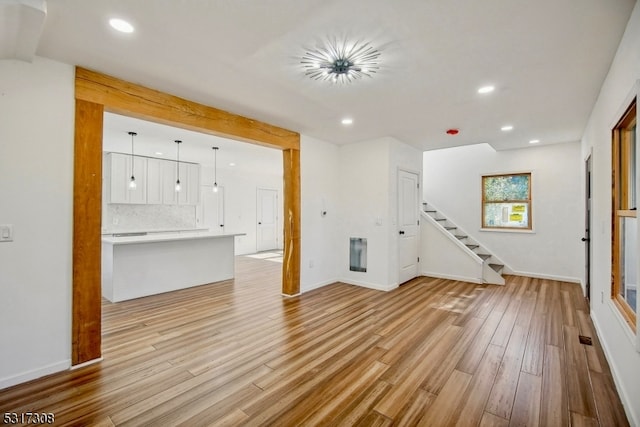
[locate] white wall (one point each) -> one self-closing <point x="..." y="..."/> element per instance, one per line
<point x="369" y="203"/>
<point x="407" y="158"/>
<point x="452" y="183"/>
<point x="363" y="170"/>
<point x="240" y="203"/>
<point x="441" y="257"/>
<point x="36" y="196"/>
<point x="617" y="339"/>
<point x="320" y="188"/>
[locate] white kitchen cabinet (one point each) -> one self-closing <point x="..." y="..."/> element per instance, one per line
<point x="118" y="168"/>
<point x="168" y="179"/>
<point x="190" y="180"/>
<point x="155" y="179"/>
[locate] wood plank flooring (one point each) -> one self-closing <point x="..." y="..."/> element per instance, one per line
<point x="433" y="352"/>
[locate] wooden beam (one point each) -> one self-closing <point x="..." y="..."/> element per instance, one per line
<point x="96" y="93"/>
<point x="87" y="214"/>
<point x="291" y="263"/>
<point x="133" y="100"/>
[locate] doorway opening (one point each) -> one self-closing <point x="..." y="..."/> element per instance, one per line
<point x="97" y="93"/>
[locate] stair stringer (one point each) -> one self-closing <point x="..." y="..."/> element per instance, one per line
<point x="442" y="255"/>
<point x="487" y="256"/>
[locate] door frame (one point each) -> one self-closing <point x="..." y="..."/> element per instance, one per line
<point x="96" y="93"/>
<point x="258" y="209"/>
<point x="588" y="223"/>
<point x="418" y="188"/>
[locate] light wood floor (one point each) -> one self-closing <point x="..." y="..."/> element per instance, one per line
<point x="434" y="352"/>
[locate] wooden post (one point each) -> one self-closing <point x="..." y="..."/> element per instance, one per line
<point x="87" y="208"/>
<point x="291" y="264"/>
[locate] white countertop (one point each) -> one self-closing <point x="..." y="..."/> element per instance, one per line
<point x="165" y="237"/>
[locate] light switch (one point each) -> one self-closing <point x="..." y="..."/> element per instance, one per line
<point x="6" y="233"/>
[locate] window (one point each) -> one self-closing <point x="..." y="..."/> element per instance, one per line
<point x="506" y="201"/>
<point x="624" y="241"/>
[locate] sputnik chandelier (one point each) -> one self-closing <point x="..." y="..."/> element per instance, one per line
<point x="340" y="61"/>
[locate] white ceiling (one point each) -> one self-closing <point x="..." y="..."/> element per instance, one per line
<point x="546" y="58"/>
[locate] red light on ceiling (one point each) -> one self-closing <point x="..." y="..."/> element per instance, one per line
<point x="452" y="131"/>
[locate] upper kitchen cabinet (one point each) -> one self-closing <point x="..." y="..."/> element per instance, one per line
<point x="155" y="179"/>
<point x="118" y="177"/>
<point x="163" y="186"/>
<point x="190" y="183"/>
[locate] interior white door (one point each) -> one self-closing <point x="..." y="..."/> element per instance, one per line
<point x="408" y="225"/>
<point x="210" y="211"/>
<point x="267" y="216"/>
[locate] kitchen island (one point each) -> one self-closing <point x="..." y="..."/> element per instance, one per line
<point x="135" y="266"/>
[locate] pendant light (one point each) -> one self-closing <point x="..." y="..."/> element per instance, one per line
<point x="215" y="169"/>
<point x="132" y="182"/>
<point x="178" y="142"/>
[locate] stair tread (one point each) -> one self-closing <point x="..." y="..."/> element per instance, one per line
<point x="440" y="219"/>
<point x="450" y="228"/>
<point x="461" y="237"/>
<point x="484" y="256"/>
<point x="430" y="210"/>
<point x="496" y="267"/>
<point x="472" y="246"/>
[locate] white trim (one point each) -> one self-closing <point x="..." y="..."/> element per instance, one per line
<point x="615" y="374"/>
<point x="508" y="230"/>
<point x="452" y="277"/>
<point x="290" y="296"/>
<point x="35" y="374"/>
<point x="375" y="286"/>
<point x="90" y="362"/>
<point x="318" y="285"/>
<point x="547" y="276"/>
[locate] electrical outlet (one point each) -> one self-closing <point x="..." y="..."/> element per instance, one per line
<point x="6" y="233"/>
<point x="311" y="263"/>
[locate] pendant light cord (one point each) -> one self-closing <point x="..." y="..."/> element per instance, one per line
<point x="132" y="162"/>
<point x="178" y="158"/>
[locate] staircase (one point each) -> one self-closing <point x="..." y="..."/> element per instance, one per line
<point x="492" y="267"/>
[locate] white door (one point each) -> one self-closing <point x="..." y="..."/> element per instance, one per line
<point x="210" y="212"/>
<point x="408" y="228"/>
<point x="267" y="215"/>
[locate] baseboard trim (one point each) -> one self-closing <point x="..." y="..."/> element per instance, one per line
<point x="374" y="286"/>
<point x="35" y="374"/>
<point x="318" y="285"/>
<point x="451" y="277"/>
<point x="624" y="397"/>
<point x="548" y="276"/>
<point x="90" y="362"/>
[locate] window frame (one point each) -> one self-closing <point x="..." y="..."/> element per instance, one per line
<point x="528" y="201"/>
<point x="620" y="197"/>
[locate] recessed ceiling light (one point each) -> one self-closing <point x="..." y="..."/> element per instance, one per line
<point x="534" y="141"/>
<point x="158" y="153"/>
<point x="506" y="128"/>
<point x="232" y="164"/>
<point x="486" y="89"/>
<point x="347" y="121"/>
<point x="121" y="25"/>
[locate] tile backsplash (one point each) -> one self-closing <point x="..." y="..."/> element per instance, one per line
<point x="119" y="218"/>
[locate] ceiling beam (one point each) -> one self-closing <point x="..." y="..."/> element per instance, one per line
<point x="121" y="97"/>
